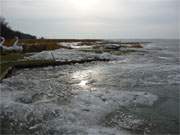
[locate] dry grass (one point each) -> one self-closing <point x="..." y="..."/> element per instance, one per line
<point x="35" y="45"/>
<point x="7" y="60"/>
<point x="39" y="45"/>
<point x="136" y="45"/>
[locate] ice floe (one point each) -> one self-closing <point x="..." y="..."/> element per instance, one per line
<point x="71" y="55"/>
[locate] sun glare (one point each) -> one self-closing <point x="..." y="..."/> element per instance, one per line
<point x="83" y="83"/>
<point x="85" y="5"/>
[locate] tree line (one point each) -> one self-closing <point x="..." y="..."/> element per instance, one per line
<point x="7" y="32"/>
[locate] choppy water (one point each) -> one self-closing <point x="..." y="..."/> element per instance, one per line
<point x="135" y="95"/>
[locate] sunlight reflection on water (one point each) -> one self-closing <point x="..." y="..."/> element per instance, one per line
<point x="83" y="83"/>
<point x="85" y="78"/>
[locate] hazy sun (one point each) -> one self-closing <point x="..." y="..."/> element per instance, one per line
<point x="85" y="5"/>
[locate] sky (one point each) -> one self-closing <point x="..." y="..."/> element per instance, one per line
<point x="108" y="19"/>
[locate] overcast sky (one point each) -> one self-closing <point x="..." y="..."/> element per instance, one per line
<point x="94" y="18"/>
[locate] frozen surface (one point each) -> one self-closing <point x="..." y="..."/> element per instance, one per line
<point x="55" y="102"/>
<point x="74" y="45"/>
<point x="71" y="55"/>
<point x="134" y="94"/>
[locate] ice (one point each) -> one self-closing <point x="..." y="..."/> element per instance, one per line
<point x="74" y="45"/>
<point x="44" y="55"/>
<point x="49" y="103"/>
<point x="71" y="55"/>
<point x="128" y="94"/>
<point x="112" y="46"/>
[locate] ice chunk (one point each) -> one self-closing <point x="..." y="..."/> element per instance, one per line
<point x="70" y="55"/>
<point x="112" y="46"/>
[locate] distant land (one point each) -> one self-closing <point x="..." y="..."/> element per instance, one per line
<point x="8" y="33"/>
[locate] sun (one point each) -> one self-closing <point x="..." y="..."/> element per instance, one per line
<point x="85" y="5"/>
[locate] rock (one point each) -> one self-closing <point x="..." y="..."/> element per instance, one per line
<point x="112" y="46"/>
<point x="137" y="45"/>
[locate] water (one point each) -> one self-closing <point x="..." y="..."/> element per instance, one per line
<point x="137" y="94"/>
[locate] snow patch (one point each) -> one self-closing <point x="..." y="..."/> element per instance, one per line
<point x="70" y="55"/>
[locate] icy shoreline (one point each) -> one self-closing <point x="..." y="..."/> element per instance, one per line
<point x="127" y="94"/>
<point x="71" y="55"/>
<point x="46" y="104"/>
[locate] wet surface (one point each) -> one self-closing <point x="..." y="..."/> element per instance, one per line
<point x="136" y="94"/>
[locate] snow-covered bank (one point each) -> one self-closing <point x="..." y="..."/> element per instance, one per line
<point x="70" y="55"/>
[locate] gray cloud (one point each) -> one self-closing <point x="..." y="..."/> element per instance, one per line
<point x="106" y="19"/>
